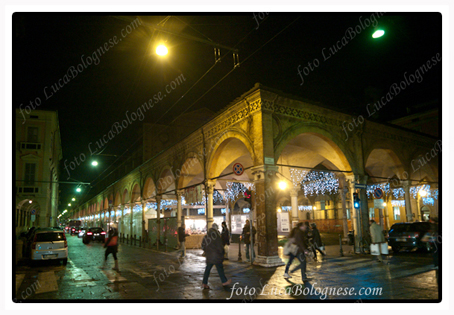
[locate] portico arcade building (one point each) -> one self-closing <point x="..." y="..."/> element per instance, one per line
<point x="265" y="137"/>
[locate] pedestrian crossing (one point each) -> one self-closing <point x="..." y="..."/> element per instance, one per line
<point x="367" y="267"/>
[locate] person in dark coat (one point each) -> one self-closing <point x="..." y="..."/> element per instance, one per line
<point x="182" y="239"/>
<point x="111" y="245"/>
<point x="316" y="240"/>
<point x="298" y="236"/>
<point x="246" y="236"/>
<point x="214" y="253"/>
<point x="225" y="239"/>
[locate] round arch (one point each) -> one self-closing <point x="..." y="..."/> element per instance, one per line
<point x="315" y="135"/>
<point x="384" y="163"/>
<point x="233" y="147"/>
<point x="191" y="171"/>
<point x="135" y="193"/>
<point x="149" y="188"/>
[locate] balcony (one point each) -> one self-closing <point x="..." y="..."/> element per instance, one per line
<point x="28" y="190"/>
<point x="30" y="146"/>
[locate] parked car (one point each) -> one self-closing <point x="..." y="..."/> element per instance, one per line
<point x="49" y="244"/>
<point x="94" y="234"/>
<point x="408" y="235"/>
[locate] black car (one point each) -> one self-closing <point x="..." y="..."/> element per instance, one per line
<point x="409" y="235"/>
<point x="94" y="234"/>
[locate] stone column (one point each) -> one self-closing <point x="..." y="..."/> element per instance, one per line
<point x="409" y="213"/>
<point x="158" y="220"/>
<point x="265" y="190"/>
<point x="144" y="234"/>
<point x="131" y="217"/>
<point x="344" y="193"/>
<point x="209" y="189"/>
<point x="122" y="207"/>
<point x="354" y="213"/>
<point x="386" y="210"/>
<point x="294" y="200"/>
<point x="364" y="208"/>
<point x="179" y="193"/>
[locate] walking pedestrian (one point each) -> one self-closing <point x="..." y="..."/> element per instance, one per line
<point x="376" y="234"/>
<point x="182" y="239"/>
<point x="316" y="241"/>
<point x="225" y="240"/>
<point x="111" y="246"/>
<point x="214" y="253"/>
<point x="298" y="234"/>
<point x="246" y="236"/>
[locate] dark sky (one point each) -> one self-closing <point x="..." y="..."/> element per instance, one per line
<point x="271" y="48"/>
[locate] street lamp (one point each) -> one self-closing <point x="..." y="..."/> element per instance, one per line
<point x="74" y="199"/>
<point x="94" y="163"/>
<point x="78" y="189"/>
<point x="282" y="185"/>
<point x="161" y="50"/>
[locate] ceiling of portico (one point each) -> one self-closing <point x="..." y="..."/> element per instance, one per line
<point x="310" y="150"/>
<point x="191" y="173"/>
<point x="383" y="163"/>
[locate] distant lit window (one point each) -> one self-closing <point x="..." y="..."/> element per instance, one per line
<point x="200" y="211"/>
<point x="223" y="211"/>
<point x="371" y="213"/>
<point x="396" y="211"/>
<point x="246" y="210"/>
<point x="348" y="214"/>
<point x="322" y="205"/>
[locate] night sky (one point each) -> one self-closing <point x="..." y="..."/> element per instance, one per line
<point x="348" y="68"/>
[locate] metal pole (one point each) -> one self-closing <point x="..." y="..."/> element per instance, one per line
<point x="340" y="243"/>
<point x="252" y="242"/>
<point x="239" y="249"/>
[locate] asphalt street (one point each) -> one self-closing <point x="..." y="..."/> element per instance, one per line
<point x="147" y="274"/>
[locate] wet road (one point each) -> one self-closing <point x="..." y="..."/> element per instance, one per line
<point x="148" y="275"/>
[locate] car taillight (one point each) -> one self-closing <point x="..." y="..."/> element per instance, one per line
<point x="89" y="233"/>
<point x="103" y="233"/>
<point x="66" y="243"/>
<point x="79" y="231"/>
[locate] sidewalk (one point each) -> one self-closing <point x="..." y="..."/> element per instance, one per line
<point x="330" y="250"/>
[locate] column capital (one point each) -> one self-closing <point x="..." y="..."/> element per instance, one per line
<point x="357" y="178"/>
<point x="259" y="172"/>
<point x="179" y="193"/>
<point x="406" y="184"/>
<point x="209" y="186"/>
<point x="294" y="192"/>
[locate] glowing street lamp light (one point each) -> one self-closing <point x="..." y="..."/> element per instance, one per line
<point x="282" y="185"/>
<point x="74" y="199"/>
<point x="69" y="205"/>
<point x="94" y="163"/>
<point x="378" y="33"/>
<point x="78" y="189"/>
<point x="162" y="50"/>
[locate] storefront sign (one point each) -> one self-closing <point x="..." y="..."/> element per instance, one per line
<point x="283" y="222"/>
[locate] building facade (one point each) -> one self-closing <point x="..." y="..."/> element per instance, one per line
<point x="296" y="157"/>
<point x="38" y="153"/>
